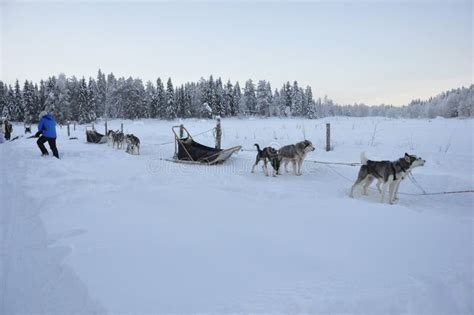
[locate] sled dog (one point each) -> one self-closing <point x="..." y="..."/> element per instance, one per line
<point x="117" y="138"/>
<point x="266" y="155"/>
<point x="133" y="144"/>
<point x="387" y="173"/>
<point x="295" y="153"/>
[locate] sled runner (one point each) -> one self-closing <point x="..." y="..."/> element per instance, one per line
<point x="93" y="136"/>
<point x="191" y="152"/>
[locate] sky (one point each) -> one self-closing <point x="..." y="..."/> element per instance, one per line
<point x="368" y="52"/>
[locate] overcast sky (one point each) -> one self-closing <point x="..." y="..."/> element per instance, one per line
<point x="353" y="51"/>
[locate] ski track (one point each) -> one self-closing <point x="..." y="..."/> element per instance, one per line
<point x="101" y="231"/>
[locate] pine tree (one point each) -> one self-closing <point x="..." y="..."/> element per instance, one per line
<point x="187" y="101"/>
<point x="29" y="102"/>
<point x="151" y="101"/>
<point x="228" y="104"/>
<point x="73" y="98"/>
<point x="170" y="110"/>
<point x="42" y="95"/>
<point x="263" y="98"/>
<point x="9" y="109"/>
<point x="100" y="93"/>
<point x="296" y="100"/>
<point x="161" y="99"/>
<point x="238" y="99"/>
<point x="17" y="110"/>
<point x="309" y="109"/>
<point x="285" y="100"/>
<point x="219" y="99"/>
<point x="91" y="100"/>
<point x="84" y="103"/>
<point x="62" y="111"/>
<point x="249" y="98"/>
<point x="275" y="106"/>
<point x="112" y="95"/>
<point x="3" y="97"/>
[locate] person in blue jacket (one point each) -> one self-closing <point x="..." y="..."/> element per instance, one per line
<point x="47" y="130"/>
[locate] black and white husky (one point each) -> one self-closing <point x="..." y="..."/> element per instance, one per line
<point x="295" y="153"/>
<point x="117" y="138"/>
<point x="387" y="173"/>
<point x="133" y="144"/>
<point x="266" y="155"/>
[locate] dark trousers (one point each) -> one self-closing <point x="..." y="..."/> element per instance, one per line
<point x="52" y="145"/>
<point x="7" y="135"/>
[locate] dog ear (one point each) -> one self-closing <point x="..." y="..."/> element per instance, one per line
<point x="407" y="158"/>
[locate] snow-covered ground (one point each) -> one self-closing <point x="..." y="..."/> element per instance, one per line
<point x="101" y="231"/>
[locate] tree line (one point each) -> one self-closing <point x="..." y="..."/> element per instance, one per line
<point x="81" y="100"/>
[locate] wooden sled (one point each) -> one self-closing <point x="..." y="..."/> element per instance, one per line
<point x="188" y="151"/>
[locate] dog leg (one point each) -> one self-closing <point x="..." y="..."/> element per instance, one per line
<point x="357" y="182"/>
<point x="253" y="167"/>
<point x="286" y="166"/>
<point x="395" y="195"/>
<point x="379" y="182"/>
<point x="294" y="163"/>
<point x="391" y="191"/>
<point x="265" y="167"/>
<point x="300" y="165"/>
<point x="384" y="188"/>
<point x="368" y="181"/>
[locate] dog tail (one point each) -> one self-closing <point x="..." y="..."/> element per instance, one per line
<point x="258" y="147"/>
<point x="363" y="158"/>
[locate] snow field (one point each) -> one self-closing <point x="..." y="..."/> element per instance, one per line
<point x="103" y="231"/>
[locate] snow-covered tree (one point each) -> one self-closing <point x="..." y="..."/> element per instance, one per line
<point x="170" y="107"/>
<point x="100" y="92"/>
<point x="264" y="98"/>
<point x="249" y="98"/>
<point x="161" y="98"/>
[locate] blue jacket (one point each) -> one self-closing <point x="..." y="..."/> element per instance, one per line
<point x="47" y="126"/>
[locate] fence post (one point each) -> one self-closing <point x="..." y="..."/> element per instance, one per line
<point x="106" y="127"/>
<point x="93" y="127"/>
<point x="181" y="131"/>
<point x="328" y="137"/>
<point x="218" y="133"/>
<point x="121" y="127"/>
<point x="68" y="130"/>
<point x="74" y="126"/>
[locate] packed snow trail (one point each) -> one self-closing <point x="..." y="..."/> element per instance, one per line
<point x="33" y="275"/>
<point x="137" y="234"/>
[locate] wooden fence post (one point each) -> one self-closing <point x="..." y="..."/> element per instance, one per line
<point x="68" y="130"/>
<point x="93" y="127"/>
<point x="328" y="137"/>
<point x="121" y="127"/>
<point x="106" y="127"/>
<point x="74" y="126"/>
<point x="218" y="133"/>
<point x="181" y="131"/>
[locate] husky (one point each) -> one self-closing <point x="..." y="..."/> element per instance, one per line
<point x="117" y="139"/>
<point x="387" y="173"/>
<point x="295" y="153"/>
<point x="110" y="136"/>
<point x="27" y="128"/>
<point x="133" y="143"/>
<point x="265" y="155"/>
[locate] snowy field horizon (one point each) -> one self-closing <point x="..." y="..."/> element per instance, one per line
<point x="104" y="232"/>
